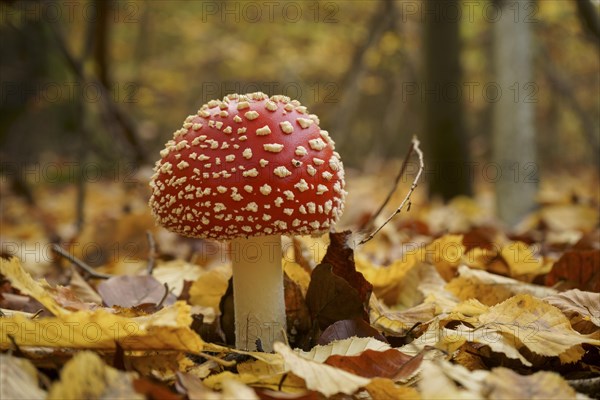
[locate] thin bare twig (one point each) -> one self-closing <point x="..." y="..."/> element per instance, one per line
<point x="94" y="274"/>
<point x="413" y="186"/>
<point x="160" y="303"/>
<point x="151" y="252"/>
<point x="371" y="220"/>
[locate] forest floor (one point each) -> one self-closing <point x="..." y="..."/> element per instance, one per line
<point x="451" y="303"/>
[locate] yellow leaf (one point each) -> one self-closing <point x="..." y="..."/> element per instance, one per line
<point x="85" y="376"/>
<point x="491" y="289"/>
<point x="208" y="289"/>
<point x="20" y="279"/>
<point x="543" y="328"/>
<point x="522" y="260"/>
<point x="291" y="384"/>
<point x="386" y="389"/>
<point x="320" y="377"/>
<point x="398" y="322"/>
<point x="167" y="329"/>
<point x="387" y="281"/>
<point x="297" y="274"/>
<point x="446" y="254"/>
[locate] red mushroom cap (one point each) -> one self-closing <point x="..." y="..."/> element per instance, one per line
<point x="249" y="165"/>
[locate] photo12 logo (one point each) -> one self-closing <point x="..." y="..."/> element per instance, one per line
<point x="66" y="11"/>
<point x="270" y="11"/>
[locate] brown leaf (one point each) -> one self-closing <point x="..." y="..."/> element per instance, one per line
<point x="336" y="290"/>
<point x="371" y="364"/>
<point x="130" y="291"/>
<point x="266" y="394"/>
<point x="330" y="298"/>
<point x="341" y="257"/>
<point x="348" y="328"/>
<point x="479" y="237"/>
<point x="578" y="268"/>
<point x="297" y="314"/>
<point x="153" y="390"/>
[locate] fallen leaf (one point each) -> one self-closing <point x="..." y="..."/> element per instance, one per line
<point x="577" y="268"/>
<point x="491" y="289"/>
<point x="398" y="323"/>
<point x="167" y="329"/>
<point x="346" y="347"/>
<point x="130" y="291"/>
<point x="153" y="390"/>
<point x="297" y="313"/>
<point x="543" y="328"/>
<point x="86" y="376"/>
<point x="348" y="328"/>
<point x="20" y="279"/>
<point x="19" y="379"/>
<point x="341" y="257"/>
<point x="289" y="383"/>
<point x="297" y="274"/>
<point x="267" y="394"/>
<point x="330" y="298"/>
<point x="320" y="377"/>
<point x="482" y="237"/>
<point x="82" y="289"/>
<point x="194" y="389"/>
<point x="175" y="272"/>
<point x="582" y="309"/>
<point x="388" y="281"/>
<point x="523" y="261"/>
<point x="161" y="366"/>
<point x="503" y="383"/>
<point x="69" y="300"/>
<point x="436" y="384"/>
<point x="446" y="254"/>
<point x="567" y="217"/>
<point x="371" y="364"/>
<point x="209" y="288"/>
<point x="386" y="389"/>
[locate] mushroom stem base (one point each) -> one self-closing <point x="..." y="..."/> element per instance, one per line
<point x="258" y="296"/>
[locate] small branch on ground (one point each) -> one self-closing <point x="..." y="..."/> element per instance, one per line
<point x="94" y="274"/>
<point x="151" y="252"/>
<point x="415" y="147"/>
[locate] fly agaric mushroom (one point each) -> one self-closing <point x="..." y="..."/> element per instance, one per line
<point x="249" y="169"/>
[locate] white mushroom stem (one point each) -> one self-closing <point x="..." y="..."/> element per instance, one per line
<point x="258" y="292"/>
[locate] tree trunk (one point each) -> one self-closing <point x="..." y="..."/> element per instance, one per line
<point x="515" y="172"/>
<point x="447" y="156"/>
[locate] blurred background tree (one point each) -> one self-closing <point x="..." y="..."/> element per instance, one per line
<point x="107" y="82"/>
